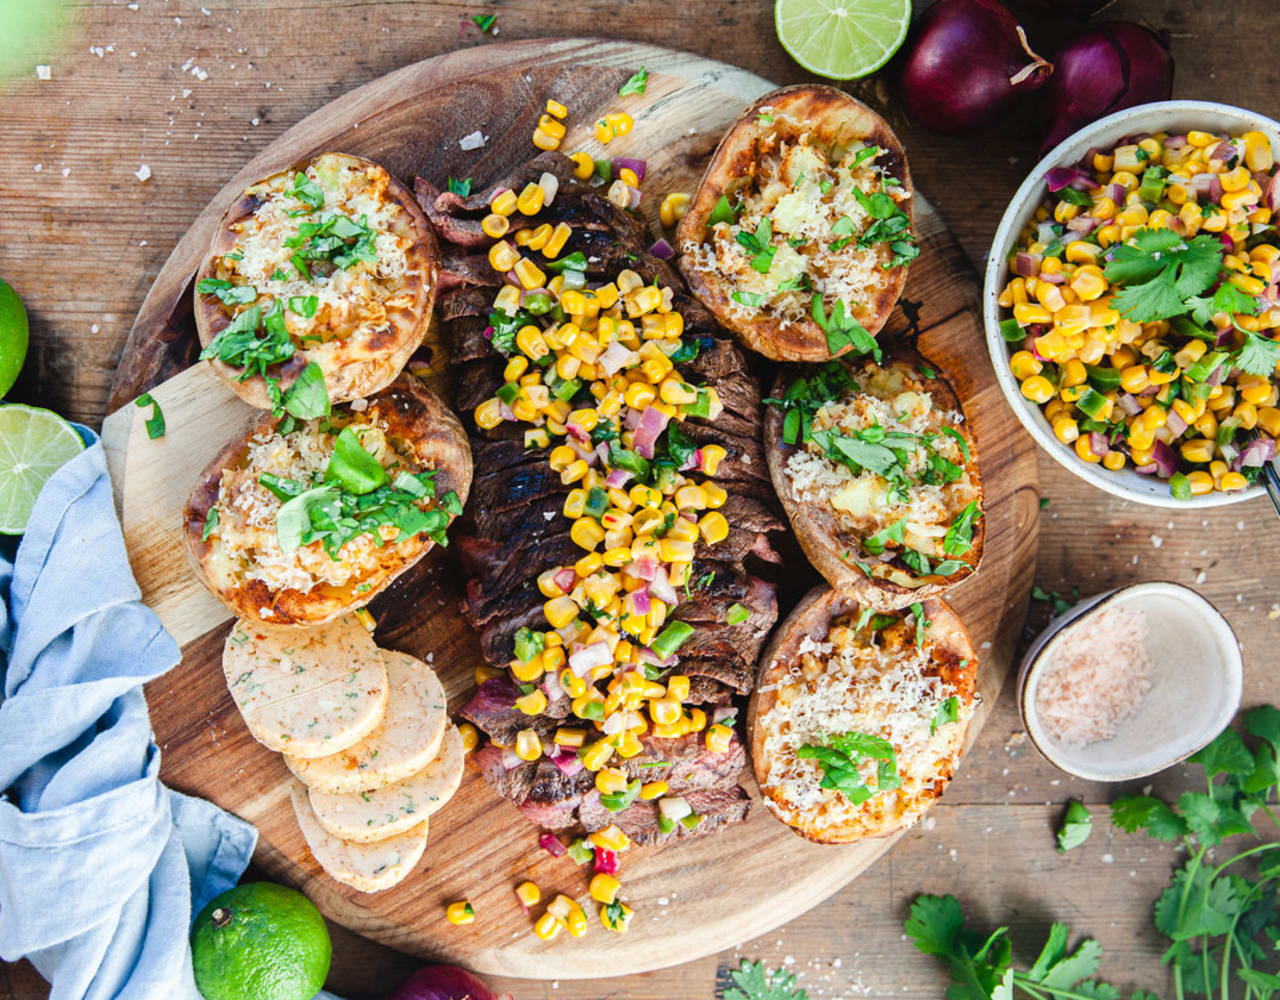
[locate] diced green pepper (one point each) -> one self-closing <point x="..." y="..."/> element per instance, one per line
<point x="1180" y="486"/>
<point x="671" y="638"/>
<point x="597" y="503"/>
<point x="692" y="821"/>
<point x="1103" y="377"/>
<point x="580" y="851"/>
<point x="1152" y="186"/>
<point x="1204" y="366"/>
<point x="592" y="710"/>
<point x="566" y="389"/>
<point x="1011" y="331"/>
<point x="528" y="644"/>
<point x="508" y="392"/>
<point x="665" y="825"/>
<point x="1093" y="403"/>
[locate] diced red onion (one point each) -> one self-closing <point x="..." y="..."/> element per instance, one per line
<point x="723" y="712"/>
<point x="693" y="461"/>
<point x="614" y="724"/>
<point x="568" y="763"/>
<point x="566" y="579"/>
<point x="1176" y="141"/>
<point x="586" y="659"/>
<point x="1129" y="403"/>
<point x="1165" y="458"/>
<point x="1272" y="192"/>
<point x="1207" y="185"/>
<point x="1175" y="423"/>
<point x="652" y="423"/>
<point x="1059" y="177"/>
<point x="663" y="250"/>
<point x="1257" y="452"/>
<point x="606" y="861"/>
<point x="1082" y="224"/>
<point x="580" y="439"/>
<point x="444" y="982"/>
<point x="1231" y="455"/>
<point x="1222" y="152"/>
<point x="632" y="419"/>
<point x="648" y="656"/>
<point x="1045" y="233"/>
<point x="1069" y="237"/>
<point x="1059" y="277"/>
<point x="550" y="185"/>
<point x="602" y="452"/>
<point x="513" y="279"/>
<point x="489" y="332"/>
<point x="552" y="844"/>
<point x="639" y="601"/>
<point x="643" y="567"/>
<point x="617" y="479"/>
<point x="1117" y="193"/>
<point x="1221" y="339"/>
<point x="625" y="163"/>
<point x="660" y="587"/>
<point x="1098" y="444"/>
<point x="1146" y="470"/>
<point x="510" y="759"/>
<point x="505" y="411"/>
<point x="615" y="357"/>
<point x="634" y="197"/>
<point x="1027" y="264"/>
<point x="1228" y="244"/>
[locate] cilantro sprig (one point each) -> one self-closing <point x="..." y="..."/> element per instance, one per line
<point x="755" y="982"/>
<point x="840" y="757"/>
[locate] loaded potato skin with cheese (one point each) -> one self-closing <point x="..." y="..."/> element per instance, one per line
<point x="859" y="717"/>
<point x="297" y="523"/>
<point x="800" y="231"/>
<point x="328" y="262"/>
<point x="877" y="469"/>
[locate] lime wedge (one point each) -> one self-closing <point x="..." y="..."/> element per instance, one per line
<point x="13" y="337"/>
<point x="841" y="39"/>
<point x="34" y="444"/>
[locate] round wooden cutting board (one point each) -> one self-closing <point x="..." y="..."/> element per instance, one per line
<point x="692" y="898"/>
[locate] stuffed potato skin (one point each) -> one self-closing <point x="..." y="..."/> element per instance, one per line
<point x="371" y="315"/>
<point x="951" y="668"/>
<point x="826" y="537"/>
<point x="833" y="123"/>
<point x="426" y="435"/>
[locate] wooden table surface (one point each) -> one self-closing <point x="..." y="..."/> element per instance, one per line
<point x="193" y="88"/>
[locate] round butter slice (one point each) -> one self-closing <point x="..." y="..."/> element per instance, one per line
<point x="393" y="809"/>
<point x="406" y="741"/>
<point x="365" y="867"/>
<point x="310" y="692"/>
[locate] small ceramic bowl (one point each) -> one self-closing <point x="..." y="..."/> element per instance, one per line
<point x="1197" y="675"/>
<point x="1165" y="116"/>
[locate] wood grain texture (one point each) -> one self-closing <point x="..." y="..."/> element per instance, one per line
<point x="84" y="248"/>
<point x="480" y="846"/>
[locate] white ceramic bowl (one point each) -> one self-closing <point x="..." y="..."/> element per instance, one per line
<point x="1197" y="676"/>
<point x="1173" y="117"/>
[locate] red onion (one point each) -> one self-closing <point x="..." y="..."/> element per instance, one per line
<point x="1026" y="264"/>
<point x="634" y="197"/>
<point x="488" y="333"/>
<point x="1258" y="452"/>
<point x="663" y="250"/>
<point x="1129" y="403"/>
<point x="1059" y="177"/>
<point x="639" y="601"/>
<point x="1082" y="224"/>
<point x="660" y="587"/>
<point x="510" y="759"/>
<point x="1146" y="470"/>
<point x="967" y="65"/>
<point x="617" y="479"/>
<point x="445" y="982"/>
<point x="1098" y="444"/>
<point x="1116" y="192"/>
<point x="652" y="423"/>
<point x="606" y="861"/>
<point x="643" y="567"/>
<point x="623" y="163"/>
<point x="1079" y="9"/>
<point x="1206" y="186"/>
<point x="1174" y="422"/>
<point x="1113" y="66"/>
<point x="566" y="579"/>
<point x="1271" y="193"/>
<point x="1166" y="459"/>
<point x="586" y="659"/>
<point x="615" y="357"/>
<point x="550" y="843"/>
<point x="569" y="764"/>
<point x="1058" y="277"/>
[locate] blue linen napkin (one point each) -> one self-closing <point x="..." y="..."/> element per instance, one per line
<point x="101" y="866"/>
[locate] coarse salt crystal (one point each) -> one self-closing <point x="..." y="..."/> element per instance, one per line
<point x="473" y="140"/>
<point x="143" y="173"/>
<point x="1156" y="541"/>
<point x="44" y="72"/>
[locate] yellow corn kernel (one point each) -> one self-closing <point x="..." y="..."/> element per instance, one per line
<point x="495" y="226"/>
<point x="616" y="917"/>
<point x="673" y="208"/>
<point x="1247" y="414"/>
<point x="1038" y="389"/>
<point x="1026" y="314"/>
<point x="1235" y="180"/>
<point x="604" y="888"/>
<point x="1024" y="364"/>
<point x="583" y="165"/>
<point x="664" y="711"/>
<point x="1232" y="481"/>
<point x="528" y="745"/>
<point x="1200" y="482"/>
<point x="489" y="414"/>
<point x="461" y="912"/>
<point x="485" y="673"/>
<point x="1074" y="373"/>
<point x="611" y="838"/>
<point x="1065" y="429"/>
<point x="560" y="611"/>
<point x="1109" y="234"/>
<point x="1269" y="420"/>
<point x="651" y="790"/>
<point x="548" y="125"/>
<point x="530" y="200"/>
<point x="572" y="684"/>
<point x="528" y="894"/>
<point x="718" y="738"/>
<point x="577" y="922"/>
<point x="545" y="140"/>
<point x="1197" y="450"/>
<point x="527" y="671"/>
<point x="532" y="703"/>
<point x="1104" y="208"/>
<point x="1088" y="282"/>
<point x="530" y="275"/>
<point x="611" y="779"/>
<point x="503" y="256"/>
<point x="504" y="202"/>
<point x="1084" y="452"/>
<point x="586" y="533"/>
<point x="1081" y="252"/>
<point x="570" y="736"/>
<point x="470" y="736"/>
<point x="1134" y="378"/>
<point x="597" y="755"/>
<point x="714" y="527"/>
<point x="1113" y="460"/>
<point x="547" y="927"/>
<point x="556" y="241"/>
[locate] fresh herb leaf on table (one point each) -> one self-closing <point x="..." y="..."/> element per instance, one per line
<point x="1076" y="826"/>
<point x="755" y="982"/>
<point x="155" y="423"/>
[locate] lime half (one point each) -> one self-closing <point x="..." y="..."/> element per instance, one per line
<point x="260" y="941"/>
<point x="841" y="39"/>
<point x="13" y="337"/>
<point x="34" y="444"/>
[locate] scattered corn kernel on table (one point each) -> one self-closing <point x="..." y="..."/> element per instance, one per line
<point x="183" y="94"/>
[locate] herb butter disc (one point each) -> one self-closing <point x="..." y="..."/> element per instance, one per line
<point x="407" y="740"/>
<point x="312" y="693"/>
<point x="365" y="867"/>
<point x="384" y="812"/>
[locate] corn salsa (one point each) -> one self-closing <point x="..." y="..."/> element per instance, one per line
<point x="1142" y="310"/>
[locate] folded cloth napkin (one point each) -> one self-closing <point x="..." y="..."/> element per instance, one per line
<point x="101" y="866"/>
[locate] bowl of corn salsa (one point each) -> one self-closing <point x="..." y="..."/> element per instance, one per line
<point x="1132" y="303"/>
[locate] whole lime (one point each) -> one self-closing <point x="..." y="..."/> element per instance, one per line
<point x="13" y="337"/>
<point x="260" y="941"/>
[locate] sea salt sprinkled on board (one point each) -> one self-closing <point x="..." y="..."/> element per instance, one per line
<point x="143" y="173"/>
<point x="44" y="72"/>
<point x="1097" y="677"/>
<point x="473" y="140"/>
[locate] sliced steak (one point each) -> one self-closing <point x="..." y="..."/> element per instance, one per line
<point x="512" y="784"/>
<point x="493" y="711"/>
<point x="718" y="807"/>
